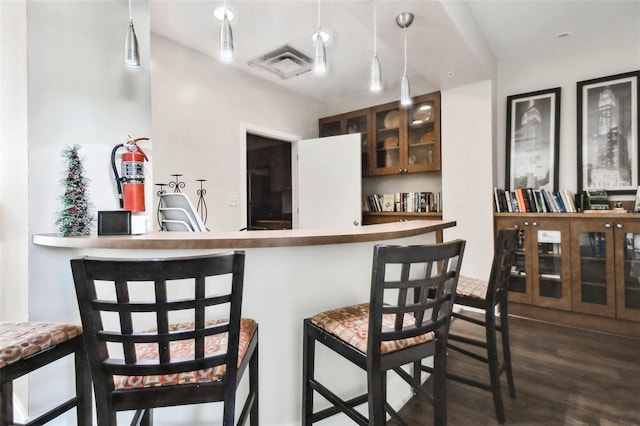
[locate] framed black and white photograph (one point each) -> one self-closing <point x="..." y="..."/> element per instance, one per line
<point x="608" y="133"/>
<point x="533" y="128"/>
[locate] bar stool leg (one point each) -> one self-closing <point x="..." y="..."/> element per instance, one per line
<point x="253" y="388"/>
<point x="6" y="408"/>
<point x="494" y="367"/>
<point x="506" y="351"/>
<point x="308" y="364"/>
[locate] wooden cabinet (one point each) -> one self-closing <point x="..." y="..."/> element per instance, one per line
<point x="351" y="122"/>
<point x="542" y="271"/>
<point x="407" y="140"/>
<point x="606" y="278"/>
<point x="577" y="269"/>
<point x="395" y="139"/>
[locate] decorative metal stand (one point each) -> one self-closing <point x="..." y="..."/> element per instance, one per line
<point x="202" y="205"/>
<point x="159" y="194"/>
<point x="176" y="185"/>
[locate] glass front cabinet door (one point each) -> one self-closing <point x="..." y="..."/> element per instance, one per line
<point x="388" y="132"/>
<point x="352" y="122"/>
<point x="551" y="263"/>
<point x="593" y="268"/>
<point x="520" y="285"/>
<point x="627" y="255"/>
<point x="422" y="152"/>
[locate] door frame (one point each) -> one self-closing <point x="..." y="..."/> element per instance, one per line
<point x="271" y="134"/>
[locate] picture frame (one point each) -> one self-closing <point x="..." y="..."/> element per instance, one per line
<point x="607" y="118"/>
<point x="533" y="131"/>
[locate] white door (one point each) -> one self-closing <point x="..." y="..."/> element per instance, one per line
<point x="329" y="182"/>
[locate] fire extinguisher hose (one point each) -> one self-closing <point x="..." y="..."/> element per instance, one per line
<point x="115" y="173"/>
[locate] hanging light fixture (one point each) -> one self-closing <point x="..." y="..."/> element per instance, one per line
<point x="320" y="56"/>
<point x="404" y="20"/>
<point x="131" y="52"/>
<point x="227" y="52"/>
<point x="375" y="84"/>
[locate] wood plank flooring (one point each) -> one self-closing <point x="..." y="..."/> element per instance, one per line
<point x="563" y="376"/>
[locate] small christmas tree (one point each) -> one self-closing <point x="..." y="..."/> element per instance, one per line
<point x="76" y="217"/>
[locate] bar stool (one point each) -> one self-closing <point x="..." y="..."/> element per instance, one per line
<point x="487" y="296"/>
<point x="380" y="335"/>
<point x="28" y="346"/>
<point x="150" y="341"/>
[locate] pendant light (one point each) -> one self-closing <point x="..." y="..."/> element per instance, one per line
<point x="227" y="52"/>
<point x="131" y="52"/>
<point x="375" y="84"/>
<point x="320" y="56"/>
<point x="404" y="20"/>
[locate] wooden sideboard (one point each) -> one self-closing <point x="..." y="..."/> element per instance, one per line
<point x="577" y="269"/>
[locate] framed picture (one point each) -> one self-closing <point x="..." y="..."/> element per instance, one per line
<point x="608" y="133"/>
<point x="533" y="128"/>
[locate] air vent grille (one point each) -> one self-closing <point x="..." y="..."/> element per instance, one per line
<point x="285" y="62"/>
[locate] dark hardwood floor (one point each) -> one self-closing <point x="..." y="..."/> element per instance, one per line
<point x="563" y="376"/>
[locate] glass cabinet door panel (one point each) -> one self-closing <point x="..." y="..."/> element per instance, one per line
<point x="387" y="138"/>
<point x="423" y="148"/>
<point x="628" y="279"/>
<point x="551" y="264"/>
<point x="520" y="287"/>
<point x="360" y="124"/>
<point x="518" y="282"/>
<point x="330" y="128"/>
<point x="593" y="276"/>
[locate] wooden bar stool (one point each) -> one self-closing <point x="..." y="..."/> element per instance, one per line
<point x="28" y="346"/>
<point x="399" y="326"/>
<point x="151" y="342"/>
<point x="486" y="296"/>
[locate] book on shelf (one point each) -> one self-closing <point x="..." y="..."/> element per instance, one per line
<point x="410" y="202"/>
<point x="529" y="200"/>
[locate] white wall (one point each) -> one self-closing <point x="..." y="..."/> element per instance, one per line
<point x="14" y="231"/>
<point x="563" y="68"/>
<point x="200" y="106"/>
<point x="79" y="92"/>
<point x="467" y="179"/>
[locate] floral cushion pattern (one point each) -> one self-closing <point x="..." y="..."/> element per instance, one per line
<point x="351" y="325"/>
<point x="472" y="287"/>
<point x="19" y="340"/>
<point x="216" y="344"/>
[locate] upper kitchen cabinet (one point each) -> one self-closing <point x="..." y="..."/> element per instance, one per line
<point x="395" y="139"/>
<point x="407" y="139"/>
<point x="351" y="122"/>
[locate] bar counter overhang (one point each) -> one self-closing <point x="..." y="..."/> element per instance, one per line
<point x="289" y="275"/>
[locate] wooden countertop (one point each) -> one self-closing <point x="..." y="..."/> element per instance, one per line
<point x="247" y="239"/>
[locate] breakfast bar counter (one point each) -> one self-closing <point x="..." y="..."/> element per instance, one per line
<point x="289" y="275"/>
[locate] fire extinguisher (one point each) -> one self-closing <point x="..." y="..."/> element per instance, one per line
<point x="130" y="182"/>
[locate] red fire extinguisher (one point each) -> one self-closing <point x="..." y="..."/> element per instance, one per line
<point x="130" y="182"/>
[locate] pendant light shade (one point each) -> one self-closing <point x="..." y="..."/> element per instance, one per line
<point x="227" y="52"/>
<point x="226" y="40"/>
<point x="131" y="51"/>
<point x="320" y="56"/>
<point x="404" y="20"/>
<point x="375" y="83"/>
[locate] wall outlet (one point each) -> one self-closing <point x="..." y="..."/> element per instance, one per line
<point x="233" y="200"/>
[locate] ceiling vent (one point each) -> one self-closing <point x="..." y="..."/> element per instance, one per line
<point x="285" y="62"/>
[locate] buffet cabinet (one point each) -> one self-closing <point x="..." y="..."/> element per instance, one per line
<point x="577" y="269"/>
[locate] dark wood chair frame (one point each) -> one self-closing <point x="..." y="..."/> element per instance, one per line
<point x="496" y="297"/>
<point x="125" y="274"/>
<point x="442" y="263"/>
<point x="82" y="399"/>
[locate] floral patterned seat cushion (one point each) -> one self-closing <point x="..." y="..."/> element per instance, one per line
<point x="472" y="287"/>
<point x="185" y="349"/>
<point x="351" y="325"/>
<point x="19" y="340"/>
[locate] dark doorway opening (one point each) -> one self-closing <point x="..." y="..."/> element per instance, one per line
<point x="269" y="197"/>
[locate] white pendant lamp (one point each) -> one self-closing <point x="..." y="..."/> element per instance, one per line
<point x="131" y="51"/>
<point x="227" y="53"/>
<point x="375" y="83"/>
<point x="404" y="20"/>
<point x="320" y="56"/>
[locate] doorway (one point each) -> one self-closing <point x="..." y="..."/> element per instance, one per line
<point x="269" y="183"/>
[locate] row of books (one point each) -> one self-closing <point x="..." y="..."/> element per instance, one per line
<point x="522" y="200"/>
<point x="413" y="202"/>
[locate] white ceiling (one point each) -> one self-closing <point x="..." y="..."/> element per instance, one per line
<point x="451" y="42"/>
